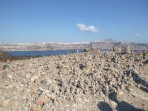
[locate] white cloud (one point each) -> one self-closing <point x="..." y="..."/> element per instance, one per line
<point x="83" y="27"/>
<point x="139" y="35"/>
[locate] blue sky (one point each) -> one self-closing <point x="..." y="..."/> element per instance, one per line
<point x="73" y="20"/>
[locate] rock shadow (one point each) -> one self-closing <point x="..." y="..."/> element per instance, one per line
<point x="138" y="80"/>
<point x="103" y="106"/>
<point x="144" y="89"/>
<point x="123" y="106"/>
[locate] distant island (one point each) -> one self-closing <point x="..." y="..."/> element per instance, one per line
<point x="106" y="44"/>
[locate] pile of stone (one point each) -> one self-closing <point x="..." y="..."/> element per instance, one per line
<point x="74" y="82"/>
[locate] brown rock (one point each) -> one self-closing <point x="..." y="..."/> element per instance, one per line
<point x="2" y="101"/>
<point x="35" y="108"/>
<point x="41" y="100"/>
<point x="6" y="102"/>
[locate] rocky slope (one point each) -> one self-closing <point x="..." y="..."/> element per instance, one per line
<point x="90" y="81"/>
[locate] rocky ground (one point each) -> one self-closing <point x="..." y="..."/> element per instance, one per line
<point x="90" y="81"/>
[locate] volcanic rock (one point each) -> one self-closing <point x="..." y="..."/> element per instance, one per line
<point x="74" y="82"/>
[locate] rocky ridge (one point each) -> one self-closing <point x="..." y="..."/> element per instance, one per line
<point x="90" y="81"/>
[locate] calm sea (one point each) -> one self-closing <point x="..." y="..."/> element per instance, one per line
<point x="55" y="52"/>
<point x="43" y="53"/>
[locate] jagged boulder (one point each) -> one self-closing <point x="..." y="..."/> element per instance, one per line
<point x="127" y="50"/>
<point x="116" y="49"/>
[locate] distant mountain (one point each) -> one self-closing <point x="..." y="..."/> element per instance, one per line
<point x="106" y="44"/>
<point x="110" y="40"/>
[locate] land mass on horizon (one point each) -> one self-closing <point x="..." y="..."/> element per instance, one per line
<point x="106" y="44"/>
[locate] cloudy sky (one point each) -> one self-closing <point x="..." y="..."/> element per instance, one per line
<point x="73" y="20"/>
